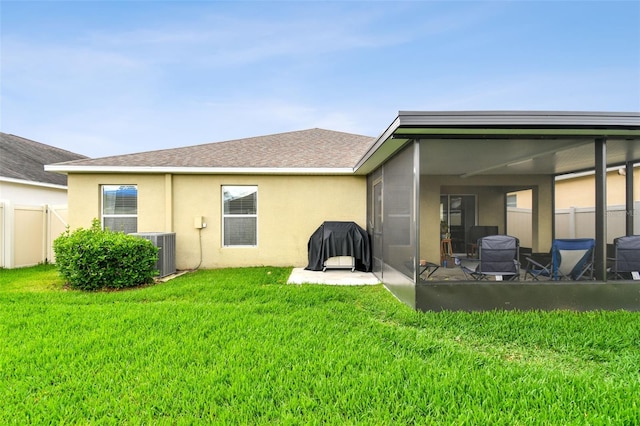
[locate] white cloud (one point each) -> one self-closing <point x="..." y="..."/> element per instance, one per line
<point x="237" y="71"/>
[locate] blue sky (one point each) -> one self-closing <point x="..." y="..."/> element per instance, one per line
<point x="112" y="77"/>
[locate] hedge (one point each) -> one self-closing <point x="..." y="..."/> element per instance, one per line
<point x="93" y="259"/>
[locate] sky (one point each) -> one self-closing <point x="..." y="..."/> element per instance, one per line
<point x="104" y="78"/>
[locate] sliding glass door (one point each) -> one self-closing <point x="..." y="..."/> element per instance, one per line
<point x="457" y="215"/>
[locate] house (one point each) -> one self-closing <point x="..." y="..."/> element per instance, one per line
<point x="23" y="179"/>
<point x="261" y="198"/>
<point x="32" y="200"/>
<point x="574" y="206"/>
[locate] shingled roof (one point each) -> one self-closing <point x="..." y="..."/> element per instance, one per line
<point x="305" y="149"/>
<point x="24" y="159"/>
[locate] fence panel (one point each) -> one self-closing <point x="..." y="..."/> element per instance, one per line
<point x="3" y="213"/>
<point x="519" y="225"/>
<point x="574" y="222"/>
<point x="57" y="224"/>
<point x="27" y="233"/>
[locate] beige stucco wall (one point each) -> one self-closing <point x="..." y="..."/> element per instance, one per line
<point x="490" y="192"/>
<point x="290" y="208"/>
<point x="580" y="191"/>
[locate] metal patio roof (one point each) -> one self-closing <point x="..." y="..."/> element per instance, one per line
<point x="469" y="143"/>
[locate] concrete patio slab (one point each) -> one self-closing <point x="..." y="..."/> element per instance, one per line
<point x="332" y="277"/>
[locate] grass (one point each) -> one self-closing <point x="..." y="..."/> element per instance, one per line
<point x="239" y="346"/>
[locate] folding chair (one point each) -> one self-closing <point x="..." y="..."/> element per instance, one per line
<point x="627" y="257"/>
<point x="537" y="270"/>
<point x="573" y="259"/>
<point x="427" y="267"/>
<point x="498" y="258"/>
<point x="570" y="259"/>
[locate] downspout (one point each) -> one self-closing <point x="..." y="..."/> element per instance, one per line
<point x="168" y="202"/>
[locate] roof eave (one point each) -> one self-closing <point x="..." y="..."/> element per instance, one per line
<point x="32" y="183"/>
<point x="505" y="119"/>
<point x="503" y="124"/>
<point x="66" y="169"/>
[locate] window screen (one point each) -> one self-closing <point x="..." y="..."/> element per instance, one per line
<point x="240" y="215"/>
<point x="120" y="208"/>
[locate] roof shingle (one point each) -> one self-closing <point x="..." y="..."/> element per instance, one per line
<point x="313" y="148"/>
<point x="24" y="159"/>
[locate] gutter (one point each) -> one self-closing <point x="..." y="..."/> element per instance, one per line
<point x="200" y="170"/>
<point x="33" y="183"/>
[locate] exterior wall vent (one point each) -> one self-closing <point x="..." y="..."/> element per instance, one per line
<point x="166" y="243"/>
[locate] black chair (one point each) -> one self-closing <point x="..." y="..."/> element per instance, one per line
<point x="474" y="234"/>
<point x="627" y="257"/>
<point x="498" y="258"/>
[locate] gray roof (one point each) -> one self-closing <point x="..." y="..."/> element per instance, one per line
<point x="24" y="159"/>
<point x="305" y="149"/>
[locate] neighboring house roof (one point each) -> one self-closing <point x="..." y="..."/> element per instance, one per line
<point x="313" y="150"/>
<point x="23" y="160"/>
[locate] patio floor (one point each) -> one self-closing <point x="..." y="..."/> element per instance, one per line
<point x="332" y="277"/>
<point x="346" y="277"/>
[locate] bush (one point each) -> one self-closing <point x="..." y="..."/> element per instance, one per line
<point x="92" y="259"/>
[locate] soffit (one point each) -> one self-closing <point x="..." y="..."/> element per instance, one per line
<point x="473" y="157"/>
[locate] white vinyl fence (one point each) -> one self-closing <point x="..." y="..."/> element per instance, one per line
<point x="27" y="233"/>
<point x="573" y="223"/>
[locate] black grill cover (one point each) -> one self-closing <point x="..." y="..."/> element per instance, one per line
<point x="339" y="239"/>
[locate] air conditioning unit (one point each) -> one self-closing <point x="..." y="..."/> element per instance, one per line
<point x="166" y="243"/>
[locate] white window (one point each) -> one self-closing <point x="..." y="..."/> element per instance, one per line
<point x="512" y="200"/>
<point x="120" y="208"/>
<point x="240" y="215"/>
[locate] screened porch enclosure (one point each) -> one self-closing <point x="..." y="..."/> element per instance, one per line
<point x="437" y="181"/>
<point x="392" y="222"/>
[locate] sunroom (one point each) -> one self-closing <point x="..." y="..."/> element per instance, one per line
<point x="435" y="178"/>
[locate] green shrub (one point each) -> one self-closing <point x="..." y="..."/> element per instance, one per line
<point x="92" y="259"/>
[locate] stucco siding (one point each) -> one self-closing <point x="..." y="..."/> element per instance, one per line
<point x="84" y="199"/>
<point x="580" y="191"/>
<point x="290" y="208"/>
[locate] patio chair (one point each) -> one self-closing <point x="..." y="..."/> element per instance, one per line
<point x="627" y="257"/>
<point x="425" y="267"/>
<point x="570" y="259"/>
<point x="498" y="257"/>
<point x="537" y="270"/>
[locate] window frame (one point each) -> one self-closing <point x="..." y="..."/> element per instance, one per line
<point x="238" y="215"/>
<point x="103" y="215"/>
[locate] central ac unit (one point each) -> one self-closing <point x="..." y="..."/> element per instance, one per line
<point x="166" y="243"/>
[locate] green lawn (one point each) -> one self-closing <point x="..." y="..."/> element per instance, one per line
<point x="240" y="346"/>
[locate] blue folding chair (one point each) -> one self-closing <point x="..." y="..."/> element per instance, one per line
<point x="570" y="259"/>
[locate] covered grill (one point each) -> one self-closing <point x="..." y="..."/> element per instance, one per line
<point x="333" y="239"/>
